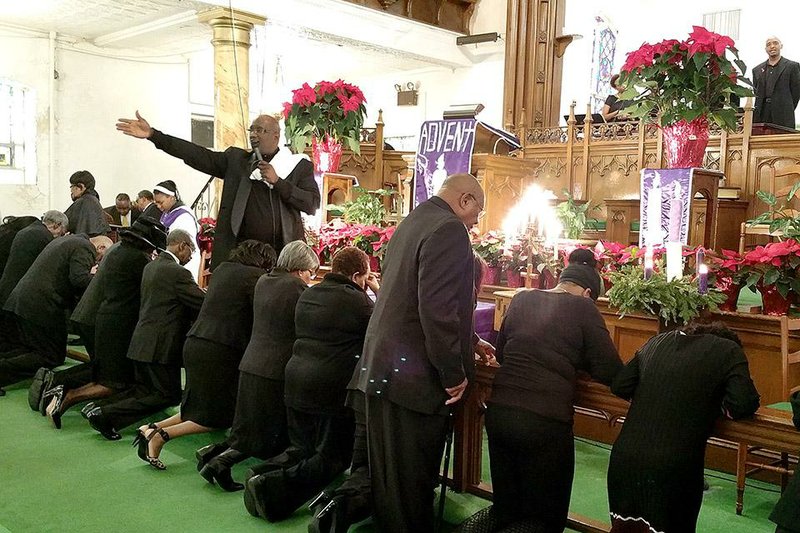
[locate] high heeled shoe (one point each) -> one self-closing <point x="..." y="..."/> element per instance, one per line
<point x="99" y="423"/>
<point x="141" y="441"/>
<point x="155" y="462"/>
<point x="56" y="395"/>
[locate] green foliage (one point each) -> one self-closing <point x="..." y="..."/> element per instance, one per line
<point x="780" y="216"/>
<point x="573" y="215"/>
<point x="366" y="209"/>
<point x="676" y="301"/>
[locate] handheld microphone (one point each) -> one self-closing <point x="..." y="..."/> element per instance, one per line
<point x="256" y="149"/>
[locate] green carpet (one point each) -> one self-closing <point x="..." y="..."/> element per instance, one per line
<point x="74" y="480"/>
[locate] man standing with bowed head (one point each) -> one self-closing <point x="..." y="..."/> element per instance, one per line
<point x="264" y="191"/>
<point x="777" y="87"/>
<point x="418" y="355"/>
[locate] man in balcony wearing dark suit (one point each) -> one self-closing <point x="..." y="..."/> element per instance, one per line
<point x="418" y="356"/>
<point x="777" y="87"/>
<point x="146" y="205"/>
<point x="264" y="190"/>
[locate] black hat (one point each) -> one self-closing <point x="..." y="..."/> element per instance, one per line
<point x="582" y="272"/>
<point x="149" y="231"/>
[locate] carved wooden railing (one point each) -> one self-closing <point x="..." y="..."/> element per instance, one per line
<point x="599" y="161"/>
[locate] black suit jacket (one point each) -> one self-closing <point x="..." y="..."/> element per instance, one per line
<point x="86" y="216"/>
<point x="227" y="313"/>
<point x="28" y="244"/>
<point x="152" y="211"/>
<point x="170" y="299"/>
<point x="85" y="312"/>
<point x="297" y="192"/>
<point x="54" y="282"/>
<point x="115" y="216"/>
<point x="273" y="336"/>
<point x="419" y="337"/>
<point x="783" y="89"/>
<point x="8" y="231"/>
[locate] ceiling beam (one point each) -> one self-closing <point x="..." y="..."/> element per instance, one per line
<point x="149" y="27"/>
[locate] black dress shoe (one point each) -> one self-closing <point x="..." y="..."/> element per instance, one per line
<point x="265" y="496"/>
<point x="206" y="453"/>
<point x="42" y="382"/>
<point x="2" y="392"/>
<point x="101" y="425"/>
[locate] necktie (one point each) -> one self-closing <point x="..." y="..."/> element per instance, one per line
<point x="125" y="223"/>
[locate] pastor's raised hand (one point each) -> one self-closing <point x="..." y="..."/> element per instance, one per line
<point x="137" y="127"/>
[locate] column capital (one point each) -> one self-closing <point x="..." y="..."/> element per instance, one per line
<point x="223" y="20"/>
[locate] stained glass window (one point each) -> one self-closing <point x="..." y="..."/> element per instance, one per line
<point x="604" y="46"/>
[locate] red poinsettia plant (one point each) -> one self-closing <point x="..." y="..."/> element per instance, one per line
<point x="488" y="246"/>
<point x="330" y="110"/>
<point x="774" y="264"/>
<point x="205" y="236"/>
<point x="687" y="80"/>
<point x="337" y="234"/>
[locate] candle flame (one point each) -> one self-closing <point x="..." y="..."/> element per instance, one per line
<point x="533" y="214"/>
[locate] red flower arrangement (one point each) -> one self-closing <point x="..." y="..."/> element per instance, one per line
<point x="373" y="240"/>
<point x="330" y="110"/>
<point x="683" y="81"/>
<point x="205" y="236"/>
<point x="774" y="264"/>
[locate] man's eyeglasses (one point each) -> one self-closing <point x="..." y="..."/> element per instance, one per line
<point x="482" y="209"/>
<point x="258" y="130"/>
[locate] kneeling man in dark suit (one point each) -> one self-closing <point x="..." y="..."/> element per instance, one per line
<point x="170" y="300"/>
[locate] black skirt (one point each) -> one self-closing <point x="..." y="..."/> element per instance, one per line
<point x="111" y="366"/>
<point x="212" y="379"/>
<point x="259" y="426"/>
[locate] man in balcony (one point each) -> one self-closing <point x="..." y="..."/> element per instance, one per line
<point x="777" y="87"/>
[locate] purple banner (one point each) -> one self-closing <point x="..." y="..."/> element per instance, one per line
<point x="664" y="206"/>
<point x="445" y="148"/>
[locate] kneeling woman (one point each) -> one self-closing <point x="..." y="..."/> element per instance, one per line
<point x="546" y="337"/>
<point x="259" y="424"/>
<point x="213" y="349"/>
<point x="330" y="323"/>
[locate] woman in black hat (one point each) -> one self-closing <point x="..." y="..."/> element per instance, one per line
<point x="546" y="337"/>
<point x="119" y="279"/>
<point x="177" y="215"/>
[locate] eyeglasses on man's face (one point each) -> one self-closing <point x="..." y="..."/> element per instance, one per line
<point x="481" y="208"/>
<point x="258" y="130"/>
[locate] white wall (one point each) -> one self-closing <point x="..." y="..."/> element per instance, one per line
<point x="650" y="21"/>
<point x="91" y="92"/>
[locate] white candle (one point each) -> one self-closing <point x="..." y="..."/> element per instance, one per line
<point x="674" y="260"/>
<point x="648" y="263"/>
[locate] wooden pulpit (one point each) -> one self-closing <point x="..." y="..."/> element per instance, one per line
<point x="336" y="190"/>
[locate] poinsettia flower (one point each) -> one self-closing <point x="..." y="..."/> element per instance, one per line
<point x="287" y="108"/>
<point x="304" y="96"/>
<point x="702" y="40"/>
<point x="638" y="59"/>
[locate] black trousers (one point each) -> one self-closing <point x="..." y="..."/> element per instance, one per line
<point x="532" y="462"/>
<point x="356" y="489"/>
<point x="157" y="387"/>
<point x="38" y="347"/>
<point x="9" y="335"/>
<point x="405" y="452"/>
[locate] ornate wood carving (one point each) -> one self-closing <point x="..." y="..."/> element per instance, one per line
<point x="455" y="15"/>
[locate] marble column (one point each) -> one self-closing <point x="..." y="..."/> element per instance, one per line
<point x="231" y="40"/>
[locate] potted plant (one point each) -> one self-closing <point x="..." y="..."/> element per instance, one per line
<point x="773" y="270"/>
<point x="728" y="273"/>
<point x="572" y="215"/>
<point x="205" y="236"/>
<point x="674" y="302"/>
<point x="325" y="116"/>
<point x="782" y="219"/>
<point x="490" y="248"/>
<point x="337" y="234"/>
<point x="685" y="84"/>
<point x="367" y="208"/>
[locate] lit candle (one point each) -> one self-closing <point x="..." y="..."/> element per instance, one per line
<point x="702" y="279"/>
<point x="648" y="263"/>
<point x="699" y="259"/>
<point x="674" y="260"/>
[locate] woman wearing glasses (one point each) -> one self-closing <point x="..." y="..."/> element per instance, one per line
<point x="259" y="424"/>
